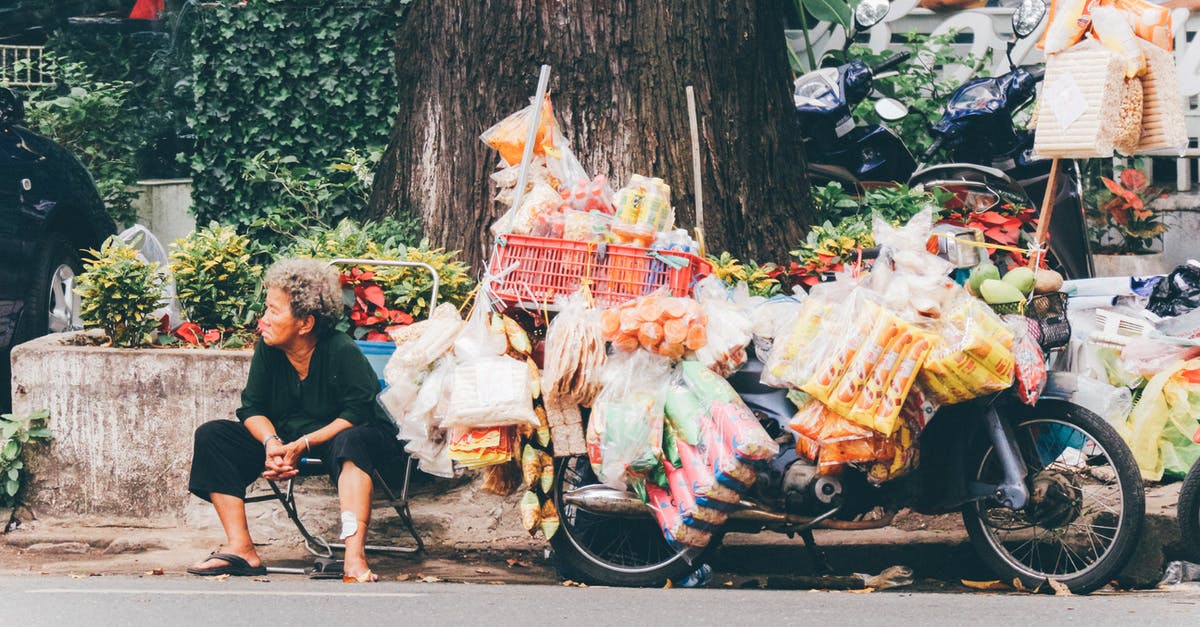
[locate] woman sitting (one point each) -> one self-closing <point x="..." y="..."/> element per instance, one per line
<point x="310" y="394"/>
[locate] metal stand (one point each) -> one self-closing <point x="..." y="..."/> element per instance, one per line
<point x="317" y="545"/>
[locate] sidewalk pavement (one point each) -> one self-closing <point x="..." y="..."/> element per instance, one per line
<point x="474" y="536"/>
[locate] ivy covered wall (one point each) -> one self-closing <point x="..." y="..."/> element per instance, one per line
<point x="297" y="79"/>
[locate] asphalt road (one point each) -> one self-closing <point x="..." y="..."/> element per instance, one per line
<point x="42" y="600"/>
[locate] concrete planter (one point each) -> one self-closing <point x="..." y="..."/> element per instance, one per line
<point x="1131" y="265"/>
<point x="122" y="420"/>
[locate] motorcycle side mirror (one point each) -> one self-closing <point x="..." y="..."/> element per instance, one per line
<point x="870" y="12"/>
<point x="1026" y="18"/>
<point x="12" y="107"/>
<point x="890" y="109"/>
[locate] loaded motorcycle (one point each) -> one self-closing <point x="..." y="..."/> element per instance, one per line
<point x="1046" y="492"/>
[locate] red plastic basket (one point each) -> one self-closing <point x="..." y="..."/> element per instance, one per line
<point x="545" y="268"/>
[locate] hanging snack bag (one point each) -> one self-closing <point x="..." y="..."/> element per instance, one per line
<point x="971" y="355"/>
<point x="664" y="325"/>
<point x="702" y="479"/>
<point x="1029" y="361"/>
<point x="684" y="411"/>
<point x="509" y="135"/>
<point x="1151" y="22"/>
<point x="1080" y="103"/>
<point x="670" y="520"/>
<point x="1163" y="125"/>
<point x="574" y="354"/>
<point x="704" y="518"/>
<point x="729" y="329"/>
<point x="1115" y="32"/>
<point x="1069" y="21"/>
<point x="624" y="434"/>
<point x="735" y="424"/>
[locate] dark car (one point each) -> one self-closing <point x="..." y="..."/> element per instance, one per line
<point x="49" y="211"/>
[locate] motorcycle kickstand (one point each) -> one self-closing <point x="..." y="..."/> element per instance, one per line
<point x="815" y="553"/>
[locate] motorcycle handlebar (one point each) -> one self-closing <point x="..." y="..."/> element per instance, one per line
<point x="1038" y="72"/>
<point x="933" y="148"/>
<point x="891" y="62"/>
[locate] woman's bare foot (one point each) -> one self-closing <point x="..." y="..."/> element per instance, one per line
<point x="356" y="570"/>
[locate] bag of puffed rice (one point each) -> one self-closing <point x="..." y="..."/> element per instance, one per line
<point x="1162" y="111"/>
<point x="1079" y="108"/>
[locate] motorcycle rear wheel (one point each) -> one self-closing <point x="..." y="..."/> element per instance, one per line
<point x="610" y="550"/>
<point x="1189" y="512"/>
<point x="1087" y="503"/>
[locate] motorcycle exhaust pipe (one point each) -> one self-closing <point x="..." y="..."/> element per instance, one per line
<point x="603" y="500"/>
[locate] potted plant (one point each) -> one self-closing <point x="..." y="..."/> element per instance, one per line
<point x="1124" y="230"/>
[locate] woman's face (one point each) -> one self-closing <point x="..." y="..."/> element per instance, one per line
<point x="278" y="326"/>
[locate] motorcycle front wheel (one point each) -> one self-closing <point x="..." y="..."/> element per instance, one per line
<point x="1085" y="509"/>
<point x="610" y="550"/>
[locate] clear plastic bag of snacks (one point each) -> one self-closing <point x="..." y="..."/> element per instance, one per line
<point x="624" y="434"/>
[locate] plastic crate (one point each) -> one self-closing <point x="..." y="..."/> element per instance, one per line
<point x="378" y="353"/>
<point x="545" y="268"/>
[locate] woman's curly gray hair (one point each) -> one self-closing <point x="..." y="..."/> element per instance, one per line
<point x="313" y="289"/>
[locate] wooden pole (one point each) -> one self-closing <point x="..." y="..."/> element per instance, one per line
<point x="698" y="178"/>
<point x="1047" y="205"/>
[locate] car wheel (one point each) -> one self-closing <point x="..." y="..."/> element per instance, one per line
<point x="52" y="305"/>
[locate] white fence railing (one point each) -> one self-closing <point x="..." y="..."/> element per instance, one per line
<point x="21" y="66"/>
<point x="981" y="30"/>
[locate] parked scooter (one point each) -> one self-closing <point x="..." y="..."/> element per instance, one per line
<point x="1046" y="492"/>
<point x="836" y="147"/>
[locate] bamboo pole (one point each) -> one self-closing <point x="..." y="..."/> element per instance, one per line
<point x="697" y="176"/>
<point x="1047" y="205"/>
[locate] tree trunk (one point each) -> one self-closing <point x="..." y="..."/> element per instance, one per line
<point x="620" y="69"/>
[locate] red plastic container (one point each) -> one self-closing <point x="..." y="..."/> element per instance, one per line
<point x="548" y="268"/>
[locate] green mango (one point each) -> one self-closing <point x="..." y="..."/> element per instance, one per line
<point x="1021" y="278"/>
<point x="981" y="273"/>
<point x="996" y="292"/>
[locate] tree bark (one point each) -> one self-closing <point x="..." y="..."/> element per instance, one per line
<point x="620" y="68"/>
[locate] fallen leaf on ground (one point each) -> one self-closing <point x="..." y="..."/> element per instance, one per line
<point x="570" y="583"/>
<point x="728" y="584"/>
<point x="668" y="585"/>
<point x="1019" y="586"/>
<point x="512" y="561"/>
<point x="403" y="577"/>
<point x="861" y="591"/>
<point x="75" y="576"/>
<point x="483" y="571"/>
<point x="261" y="580"/>
<point x="429" y="579"/>
<point x="156" y="571"/>
<point x="1060" y="588"/>
<point x="498" y="583"/>
<point x="221" y="577"/>
<point x="985" y="585"/>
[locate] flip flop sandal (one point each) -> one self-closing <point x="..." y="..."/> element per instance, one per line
<point x="366" y="577"/>
<point x="236" y="566"/>
<point x="325" y="568"/>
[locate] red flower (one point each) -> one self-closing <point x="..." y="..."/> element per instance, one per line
<point x="189" y="332"/>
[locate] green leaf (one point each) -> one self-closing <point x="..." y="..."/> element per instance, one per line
<point x="11" y="487"/>
<point x="833" y="11"/>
